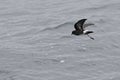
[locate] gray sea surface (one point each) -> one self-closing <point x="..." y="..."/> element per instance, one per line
<point x="36" y="41"/>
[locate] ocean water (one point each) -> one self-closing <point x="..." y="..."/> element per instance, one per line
<point x="36" y="41"/>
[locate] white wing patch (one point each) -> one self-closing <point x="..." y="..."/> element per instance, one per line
<point x="85" y="31"/>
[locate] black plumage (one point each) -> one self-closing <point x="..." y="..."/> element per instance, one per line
<point x="79" y="28"/>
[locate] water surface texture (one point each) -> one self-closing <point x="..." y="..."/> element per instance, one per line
<point x="36" y="41"/>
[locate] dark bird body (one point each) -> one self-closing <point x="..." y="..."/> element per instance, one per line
<point x="79" y="29"/>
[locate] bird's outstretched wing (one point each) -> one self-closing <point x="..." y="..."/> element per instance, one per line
<point x="79" y="24"/>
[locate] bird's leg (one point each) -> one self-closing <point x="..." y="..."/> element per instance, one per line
<point x="90" y="37"/>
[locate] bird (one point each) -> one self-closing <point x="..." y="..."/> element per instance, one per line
<point x="80" y="29"/>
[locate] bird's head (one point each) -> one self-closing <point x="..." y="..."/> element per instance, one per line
<point x="73" y="32"/>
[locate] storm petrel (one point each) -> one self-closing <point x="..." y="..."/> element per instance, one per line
<point x="79" y="29"/>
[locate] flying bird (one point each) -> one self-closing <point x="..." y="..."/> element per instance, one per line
<point x="80" y="29"/>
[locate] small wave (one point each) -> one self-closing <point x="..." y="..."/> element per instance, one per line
<point x="27" y="32"/>
<point x="58" y="26"/>
<point x="67" y="36"/>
